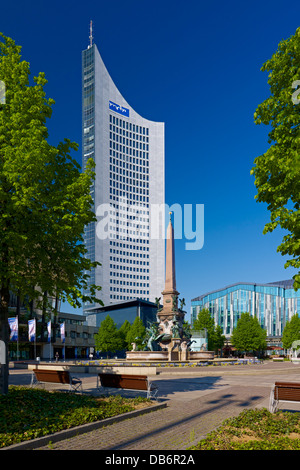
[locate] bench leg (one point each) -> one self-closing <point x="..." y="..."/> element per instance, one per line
<point x="75" y="385"/>
<point x="35" y="382"/>
<point x="273" y="404"/>
<point x="151" y="393"/>
<point x="100" y="387"/>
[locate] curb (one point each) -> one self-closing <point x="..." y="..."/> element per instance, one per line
<point x="68" y="433"/>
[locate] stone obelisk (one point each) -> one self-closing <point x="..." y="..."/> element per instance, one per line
<point x="170" y="317"/>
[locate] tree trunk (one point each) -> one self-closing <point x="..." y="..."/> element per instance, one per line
<point x="55" y="319"/>
<point x="44" y="310"/>
<point x="4" y="336"/>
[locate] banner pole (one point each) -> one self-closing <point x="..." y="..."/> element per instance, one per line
<point x="49" y="333"/>
<point x="18" y="338"/>
<point x="35" y="333"/>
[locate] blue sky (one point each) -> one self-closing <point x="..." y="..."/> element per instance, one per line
<point x="194" y="65"/>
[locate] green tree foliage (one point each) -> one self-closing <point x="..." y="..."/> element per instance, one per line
<point x="124" y="329"/>
<point x="248" y="334"/>
<point x="215" y="338"/>
<point x="136" y="334"/>
<point x="219" y="338"/>
<point x="108" y="338"/>
<point x="277" y="171"/>
<point x="45" y="199"/>
<point x="291" y="332"/>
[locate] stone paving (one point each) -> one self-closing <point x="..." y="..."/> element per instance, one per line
<point x="198" y="401"/>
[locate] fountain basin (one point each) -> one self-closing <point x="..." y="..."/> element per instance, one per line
<point x="164" y="356"/>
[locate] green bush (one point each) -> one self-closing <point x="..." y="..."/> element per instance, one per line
<point x="30" y="413"/>
<point x="256" y="429"/>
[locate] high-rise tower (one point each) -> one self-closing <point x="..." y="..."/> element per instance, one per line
<point x="128" y="151"/>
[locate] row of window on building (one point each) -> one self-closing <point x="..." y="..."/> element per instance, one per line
<point x="124" y="124"/>
<point x="272" y="305"/>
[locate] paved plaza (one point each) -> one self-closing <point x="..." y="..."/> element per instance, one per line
<point x="198" y="400"/>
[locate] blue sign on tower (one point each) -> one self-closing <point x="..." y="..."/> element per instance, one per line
<point x="118" y="109"/>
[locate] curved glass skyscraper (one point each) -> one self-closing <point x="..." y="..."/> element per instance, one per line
<point x="128" y="151"/>
<point x="273" y="304"/>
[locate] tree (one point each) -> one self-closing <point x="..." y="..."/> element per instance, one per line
<point x="248" y="334"/>
<point x="291" y="332"/>
<point x="45" y="199"/>
<point x="219" y="338"/>
<point x="136" y="334"/>
<point x="204" y="320"/>
<point x="277" y="171"/>
<point x="108" y="338"/>
<point x="124" y="329"/>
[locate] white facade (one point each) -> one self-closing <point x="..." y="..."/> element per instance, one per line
<point x="128" y="151"/>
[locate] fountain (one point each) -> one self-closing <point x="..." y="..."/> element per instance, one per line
<point x="167" y="338"/>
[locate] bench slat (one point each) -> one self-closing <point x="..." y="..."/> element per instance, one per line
<point x="288" y="384"/>
<point x="54" y="376"/>
<point x="287" y="395"/>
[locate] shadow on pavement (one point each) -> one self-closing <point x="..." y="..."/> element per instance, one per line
<point x="168" y="387"/>
<point x="207" y="407"/>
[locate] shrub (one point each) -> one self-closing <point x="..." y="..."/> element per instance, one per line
<point x="30" y="413"/>
<point x="256" y="429"/>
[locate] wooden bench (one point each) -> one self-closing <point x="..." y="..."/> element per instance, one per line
<point x="42" y="376"/>
<point x="127" y="382"/>
<point x="284" y="391"/>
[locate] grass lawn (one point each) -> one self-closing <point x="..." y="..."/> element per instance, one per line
<point x="255" y="430"/>
<point x="29" y="413"/>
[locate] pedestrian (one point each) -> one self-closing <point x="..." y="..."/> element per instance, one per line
<point x="56" y="356"/>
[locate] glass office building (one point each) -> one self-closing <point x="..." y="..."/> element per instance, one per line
<point x="273" y="304"/>
<point x="128" y="151"/>
<point x="128" y="309"/>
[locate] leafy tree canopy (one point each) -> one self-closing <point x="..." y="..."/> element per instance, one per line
<point x="248" y="334"/>
<point x="108" y="339"/>
<point x="45" y="200"/>
<point x="124" y="329"/>
<point x="291" y="332"/>
<point x="277" y="171"/>
<point x="136" y="334"/>
<point x="215" y="338"/>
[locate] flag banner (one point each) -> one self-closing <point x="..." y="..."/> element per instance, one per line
<point x="49" y="331"/>
<point x="62" y="332"/>
<point x="13" y="324"/>
<point x="31" y="329"/>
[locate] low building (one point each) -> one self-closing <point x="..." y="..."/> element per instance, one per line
<point x="79" y="337"/>
<point x="121" y="311"/>
<point x="273" y="304"/>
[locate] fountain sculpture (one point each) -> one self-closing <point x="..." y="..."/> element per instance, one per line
<point x="168" y="339"/>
